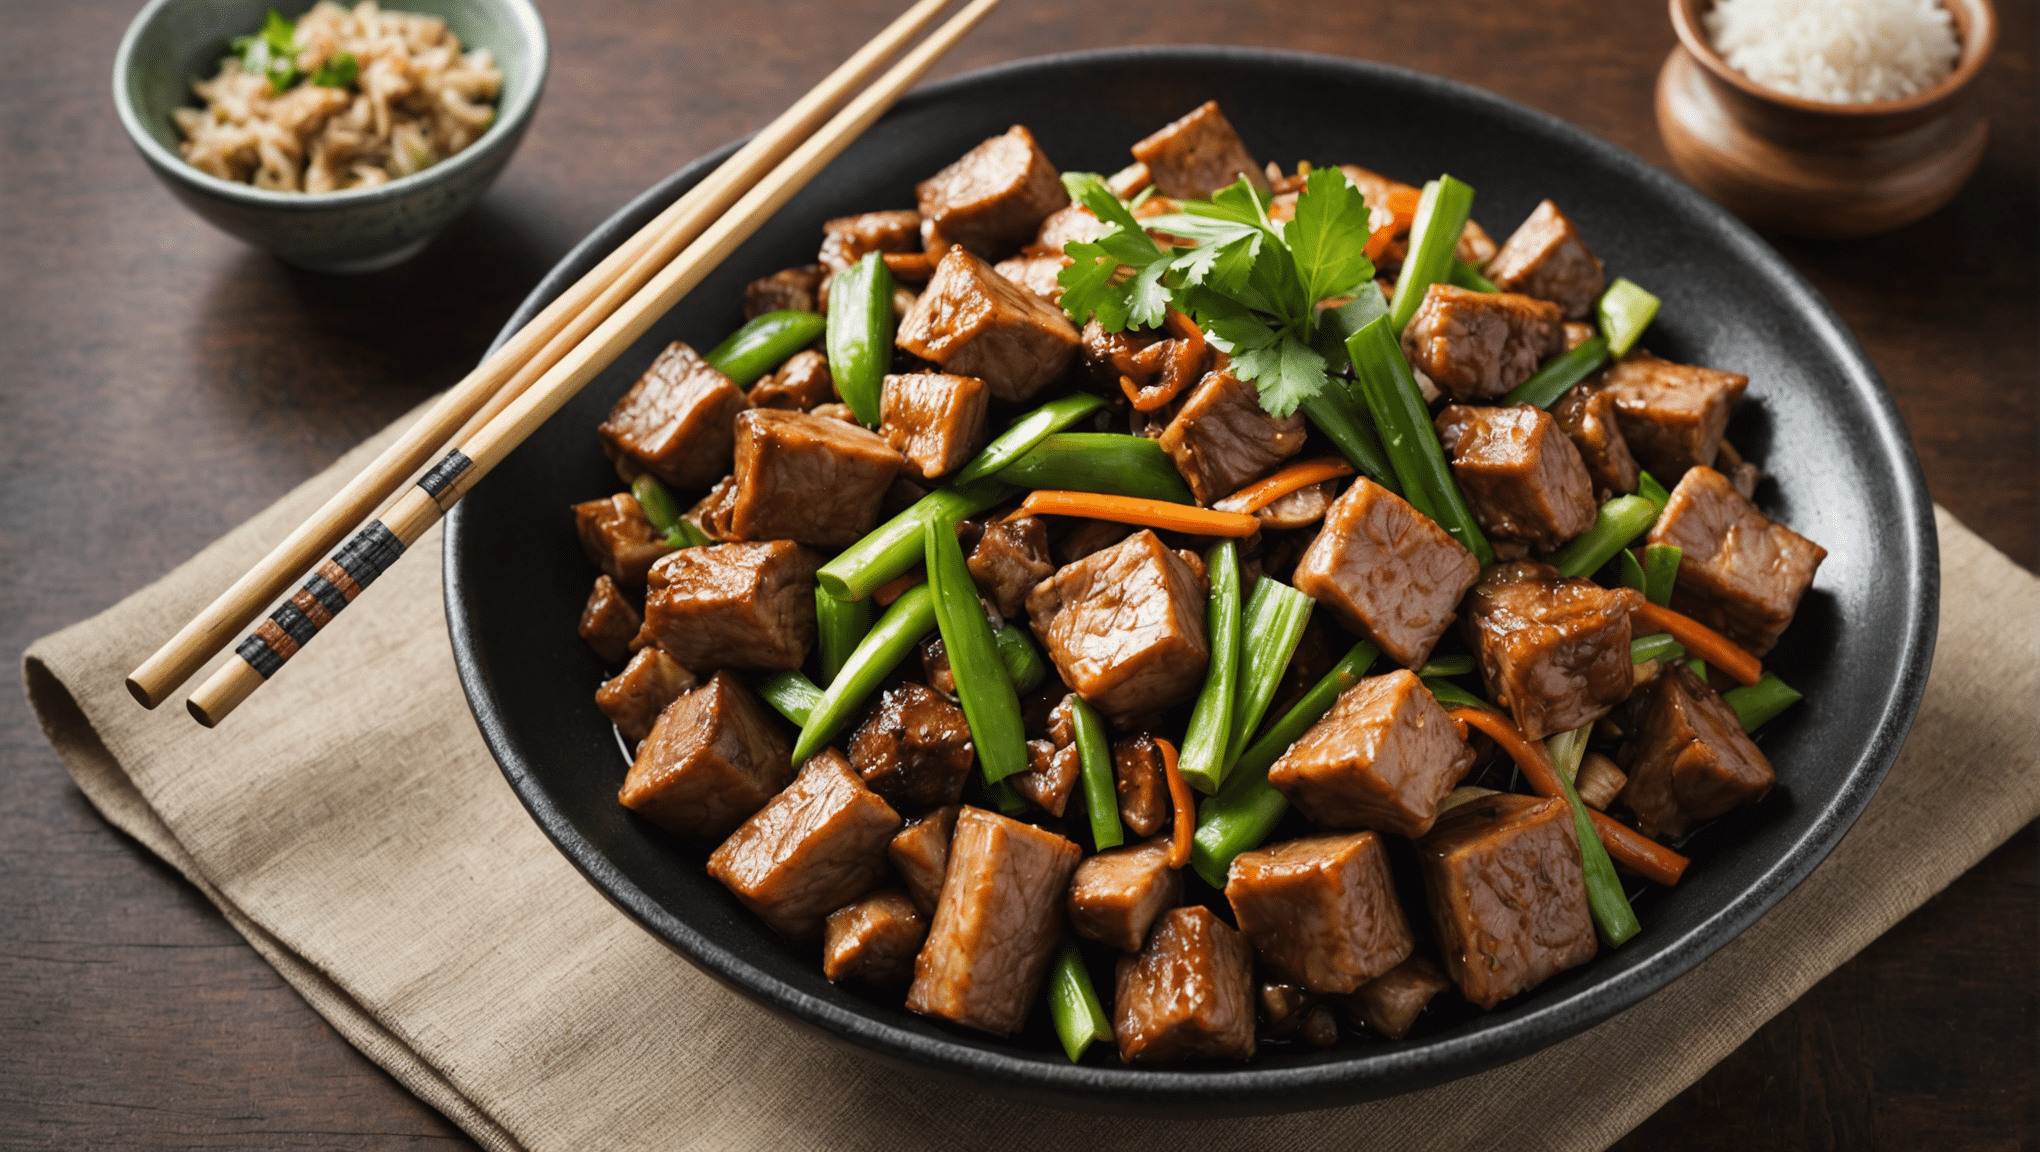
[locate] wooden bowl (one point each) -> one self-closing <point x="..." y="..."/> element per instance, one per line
<point x="1816" y="169"/>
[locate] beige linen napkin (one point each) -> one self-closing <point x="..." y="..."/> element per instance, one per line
<point x="350" y="823"/>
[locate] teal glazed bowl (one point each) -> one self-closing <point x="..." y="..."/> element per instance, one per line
<point x="172" y="42"/>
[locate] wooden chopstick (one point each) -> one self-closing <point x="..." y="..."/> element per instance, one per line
<point x="522" y="359"/>
<point x="382" y="541"/>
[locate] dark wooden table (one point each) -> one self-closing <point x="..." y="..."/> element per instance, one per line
<point x="159" y="383"/>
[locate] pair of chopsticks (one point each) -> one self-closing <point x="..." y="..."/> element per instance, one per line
<point x="481" y="419"/>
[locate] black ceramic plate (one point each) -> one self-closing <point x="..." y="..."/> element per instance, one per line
<point x="1839" y="466"/>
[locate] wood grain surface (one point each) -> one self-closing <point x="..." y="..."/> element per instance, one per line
<point x="159" y="382"/>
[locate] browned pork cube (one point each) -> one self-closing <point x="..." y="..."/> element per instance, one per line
<point x="634" y="697"/>
<point x="1037" y="274"/>
<point x="995" y="929"/>
<point x="714" y="757"/>
<point x="1321" y="911"/>
<point x="801" y="384"/>
<point x="1189" y="993"/>
<point x="749" y="606"/>
<point x="1050" y="777"/>
<point x="1197" y="155"/>
<point x="974" y="322"/>
<point x="1671" y="415"/>
<point x="1222" y="439"/>
<point x="846" y="239"/>
<point x="608" y="622"/>
<point x="787" y="290"/>
<point x="618" y="539"/>
<point x="993" y="199"/>
<point x="1478" y="345"/>
<point x="1382" y="758"/>
<point x="1140" y="780"/>
<point x="915" y="748"/>
<point x="1391" y="1002"/>
<point x="920" y="854"/>
<point x="810" y="850"/>
<point x="933" y="419"/>
<point x="1546" y="258"/>
<point x="1523" y="478"/>
<point x="677" y="422"/>
<point x="1011" y="557"/>
<point x="808" y="478"/>
<point x="1587" y="414"/>
<point x="1740" y="574"/>
<point x="1387" y="571"/>
<point x="1553" y="651"/>
<point x="1071" y="224"/>
<point x="1117" y="894"/>
<point x="1508" y="897"/>
<point x="873" y="941"/>
<point x="1693" y="760"/>
<point x="1125" y="627"/>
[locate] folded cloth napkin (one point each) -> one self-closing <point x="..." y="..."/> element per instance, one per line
<point x="350" y="823"/>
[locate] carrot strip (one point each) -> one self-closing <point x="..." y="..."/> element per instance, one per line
<point x="1183" y="804"/>
<point x="896" y="587"/>
<point x="1134" y="510"/>
<point x="1262" y="493"/>
<point x="1705" y="643"/>
<point x="1637" y="852"/>
<point x="1379" y="240"/>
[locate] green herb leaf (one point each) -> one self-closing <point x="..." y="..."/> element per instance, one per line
<point x="1287" y="373"/>
<point x="339" y="71"/>
<point x="272" y="51"/>
<point x="1328" y="237"/>
<point x="1091" y="284"/>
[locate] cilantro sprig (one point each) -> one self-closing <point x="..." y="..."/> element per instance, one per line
<point x="272" y="52"/>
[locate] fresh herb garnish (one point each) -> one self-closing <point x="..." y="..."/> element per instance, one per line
<point x="271" y="52"/>
<point x="338" y="71"/>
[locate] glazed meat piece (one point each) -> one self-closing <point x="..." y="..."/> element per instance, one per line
<point x="808" y="478"/>
<point x="974" y="322"/>
<point x="1671" y="415"/>
<point x="1523" y="478"/>
<point x="1578" y="332"/>
<point x="749" y="606"/>
<point x="1321" y="911"/>
<point x="915" y="748"/>
<point x="846" y="239"/>
<point x="714" y="757"/>
<point x="608" y="622"/>
<point x="1108" y="354"/>
<point x="1222" y="439"/>
<point x="1197" y="155"/>
<point x="810" y="850"/>
<point x="1478" y="345"/>
<point x="787" y="290"/>
<point x="711" y="513"/>
<point x="1507" y="896"/>
<point x="935" y="667"/>
<point x="1116" y="894"/>
<point x="1050" y="777"/>
<point x="1387" y="571"/>
<point x="1740" y="574"/>
<point x="634" y="697"/>
<point x="873" y="940"/>
<point x="1382" y="758"/>
<point x="677" y="422"/>
<point x="1036" y="274"/>
<point x="1693" y="760"/>
<point x="1587" y="414"/>
<point x="1125" y="627"/>
<point x="920" y="854"/>
<point x="1072" y="223"/>
<point x="933" y="419"/>
<point x="1546" y="258"/>
<point x="1011" y="557"/>
<point x="1553" y="651"/>
<point x="1390" y="1003"/>
<point x="802" y="383"/>
<point x="993" y="199"/>
<point x="1189" y="993"/>
<point x="1089" y="537"/>
<point x="618" y="539"/>
<point x="996" y="926"/>
<point x="1139" y="779"/>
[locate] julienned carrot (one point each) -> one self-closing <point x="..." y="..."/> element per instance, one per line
<point x="1637" y="852"/>
<point x="1705" y="643"/>
<point x="1184" y="804"/>
<point x="1262" y="493"/>
<point x="894" y="588"/>
<point x="1146" y="513"/>
<point x="1379" y="240"/>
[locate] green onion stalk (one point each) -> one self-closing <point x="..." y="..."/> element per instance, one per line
<point x="840" y="626"/>
<point x="1108" y="462"/>
<point x="1606" y="902"/>
<point x="1559" y="373"/>
<point x="1434" y="240"/>
<point x="1028" y="431"/>
<point x="890" y="641"/>
<point x="1101" y="793"/>
<point x="1022" y="659"/>
<point x="1073" y="1004"/>
<point x="983" y="687"/>
<point x="1617" y="523"/>
<point x="1466" y="276"/>
<point x="1346" y="424"/>
<point x="1404" y="422"/>
<point x="1270" y="627"/>
<point x="1624" y="311"/>
<point x="1205" y="744"/>
<point x="763" y="344"/>
<point x="860" y="334"/>
<point x="1451" y="695"/>
<point x="664" y="513"/>
<point x="1661" y="646"/>
<point x="1446" y="666"/>
<point x="892" y="549"/>
<point x="794" y="695"/>
<point x="1757" y="703"/>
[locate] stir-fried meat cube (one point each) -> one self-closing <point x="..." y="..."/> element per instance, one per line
<point x="1321" y="911"/>
<point x="801" y="383"/>
<point x="1116" y="894"/>
<point x="974" y="322"/>
<point x="1141" y="783"/>
<point x="1587" y="414"/>
<point x="920" y="854"/>
<point x="1478" y="345"/>
<point x="915" y="748"/>
<point x="1189" y="993"/>
<point x="677" y="422"/>
<point x="1382" y="758"/>
<point x="1088" y="538"/>
<point x="1009" y="560"/>
<point x="1693" y="760"/>
<point x="1050" y="777"/>
<point x="1741" y="574"/>
<point x="935" y="667"/>
<point x="995" y="929"/>
<point x="787" y="290"/>
<point x="1387" y="571"/>
<point x="748" y="606"/>
<point x="1476" y="247"/>
<point x="810" y="850"/>
<point x="1125" y="627"/>
<point x="933" y="419"/>
<point x="1197" y="155"/>
<point x="1107" y="353"/>
<point x="1037" y="274"/>
<point x="1546" y="258"/>
<point x="1553" y="651"/>
<point x="1523" y="478"/>
<point x="1390" y="1003"/>
<point x="1070" y="224"/>
<point x="873" y="941"/>
<point x="619" y="539"/>
<point x="1508" y="897"/>
<point x="714" y="758"/>
<point x="846" y="239"/>
<point x="1672" y="415"/>
<point x="993" y="199"/>
<point x="808" y="478"/>
<point x="634" y="697"/>
<point x="1223" y="439"/>
<point x="608" y="622"/>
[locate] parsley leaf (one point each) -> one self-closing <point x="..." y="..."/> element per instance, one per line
<point x="1328" y="237"/>
<point x="1287" y="372"/>
<point x="339" y="71"/>
<point x="1092" y="285"/>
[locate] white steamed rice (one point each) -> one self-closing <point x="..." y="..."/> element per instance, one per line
<point x="1837" y="51"/>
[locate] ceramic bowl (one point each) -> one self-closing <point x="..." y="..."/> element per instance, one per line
<point x="172" y="42"/>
